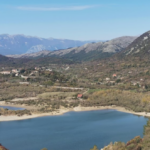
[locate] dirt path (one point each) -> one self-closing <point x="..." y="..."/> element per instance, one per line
<point x="24" y="99"/>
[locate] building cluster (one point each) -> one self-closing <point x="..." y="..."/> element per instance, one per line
<point x="13" y="71"/>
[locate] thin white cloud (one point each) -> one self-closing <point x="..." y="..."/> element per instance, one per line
<point x="56" y="8"/>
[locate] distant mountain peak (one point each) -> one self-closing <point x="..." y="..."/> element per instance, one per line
<point x="19" y="44"/>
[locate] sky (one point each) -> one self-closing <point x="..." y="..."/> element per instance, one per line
<point x="75" y="19"/>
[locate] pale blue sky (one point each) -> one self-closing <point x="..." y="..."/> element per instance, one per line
<point x="78" y="19"/>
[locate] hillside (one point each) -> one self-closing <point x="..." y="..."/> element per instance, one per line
<point x="25" y="62"/>
<point x="88" y="51"/>
<point x="6" y="61"/>
<point x="3" y="58"/>
<point x="19" y="44"/>
<point x="139" y="48"/>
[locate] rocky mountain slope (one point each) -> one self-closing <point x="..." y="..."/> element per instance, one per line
<point x="88" y="51"/>
<point x="139" y="48"/>
<point x="19" y="44"/>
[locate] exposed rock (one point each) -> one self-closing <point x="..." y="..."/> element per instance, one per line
<point x="139" y="48"/>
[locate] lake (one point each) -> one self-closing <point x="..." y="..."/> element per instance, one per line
<point x="11" y="108"/>
<point x="71" y="131"/>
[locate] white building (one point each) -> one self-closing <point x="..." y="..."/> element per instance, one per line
<point x="5" y="72"/>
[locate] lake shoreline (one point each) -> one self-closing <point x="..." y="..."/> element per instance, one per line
<point x="65" y="110"/>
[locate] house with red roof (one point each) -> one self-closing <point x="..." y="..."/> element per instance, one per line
<point x="80" y="96"/>
<point x="114" y="75"/>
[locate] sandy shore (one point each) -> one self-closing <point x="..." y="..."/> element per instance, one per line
<point x="12" y="118"/>
<point x="77" y="109"/>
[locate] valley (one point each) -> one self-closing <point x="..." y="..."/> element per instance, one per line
<point x="75" y="75"/>
<point x="52" y="86"/>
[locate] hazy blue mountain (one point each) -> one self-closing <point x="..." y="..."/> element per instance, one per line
<point x="19" y="44"/>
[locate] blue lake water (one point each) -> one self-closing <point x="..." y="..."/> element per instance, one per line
<point x="11" y="108"/>
<point x="71" y="131"/>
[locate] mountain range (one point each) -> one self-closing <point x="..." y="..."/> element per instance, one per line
<point x="88" y="51"/>
<point x="20" y="44"/>
<point x="124" y="48"/>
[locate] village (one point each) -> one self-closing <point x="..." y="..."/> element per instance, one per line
<point x="50" y="87"/>
<point x="81" y="76"/>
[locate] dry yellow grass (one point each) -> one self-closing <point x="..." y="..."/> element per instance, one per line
<point x="52" y="95"/>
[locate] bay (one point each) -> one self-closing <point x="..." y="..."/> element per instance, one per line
<point x="71" y="131"/>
